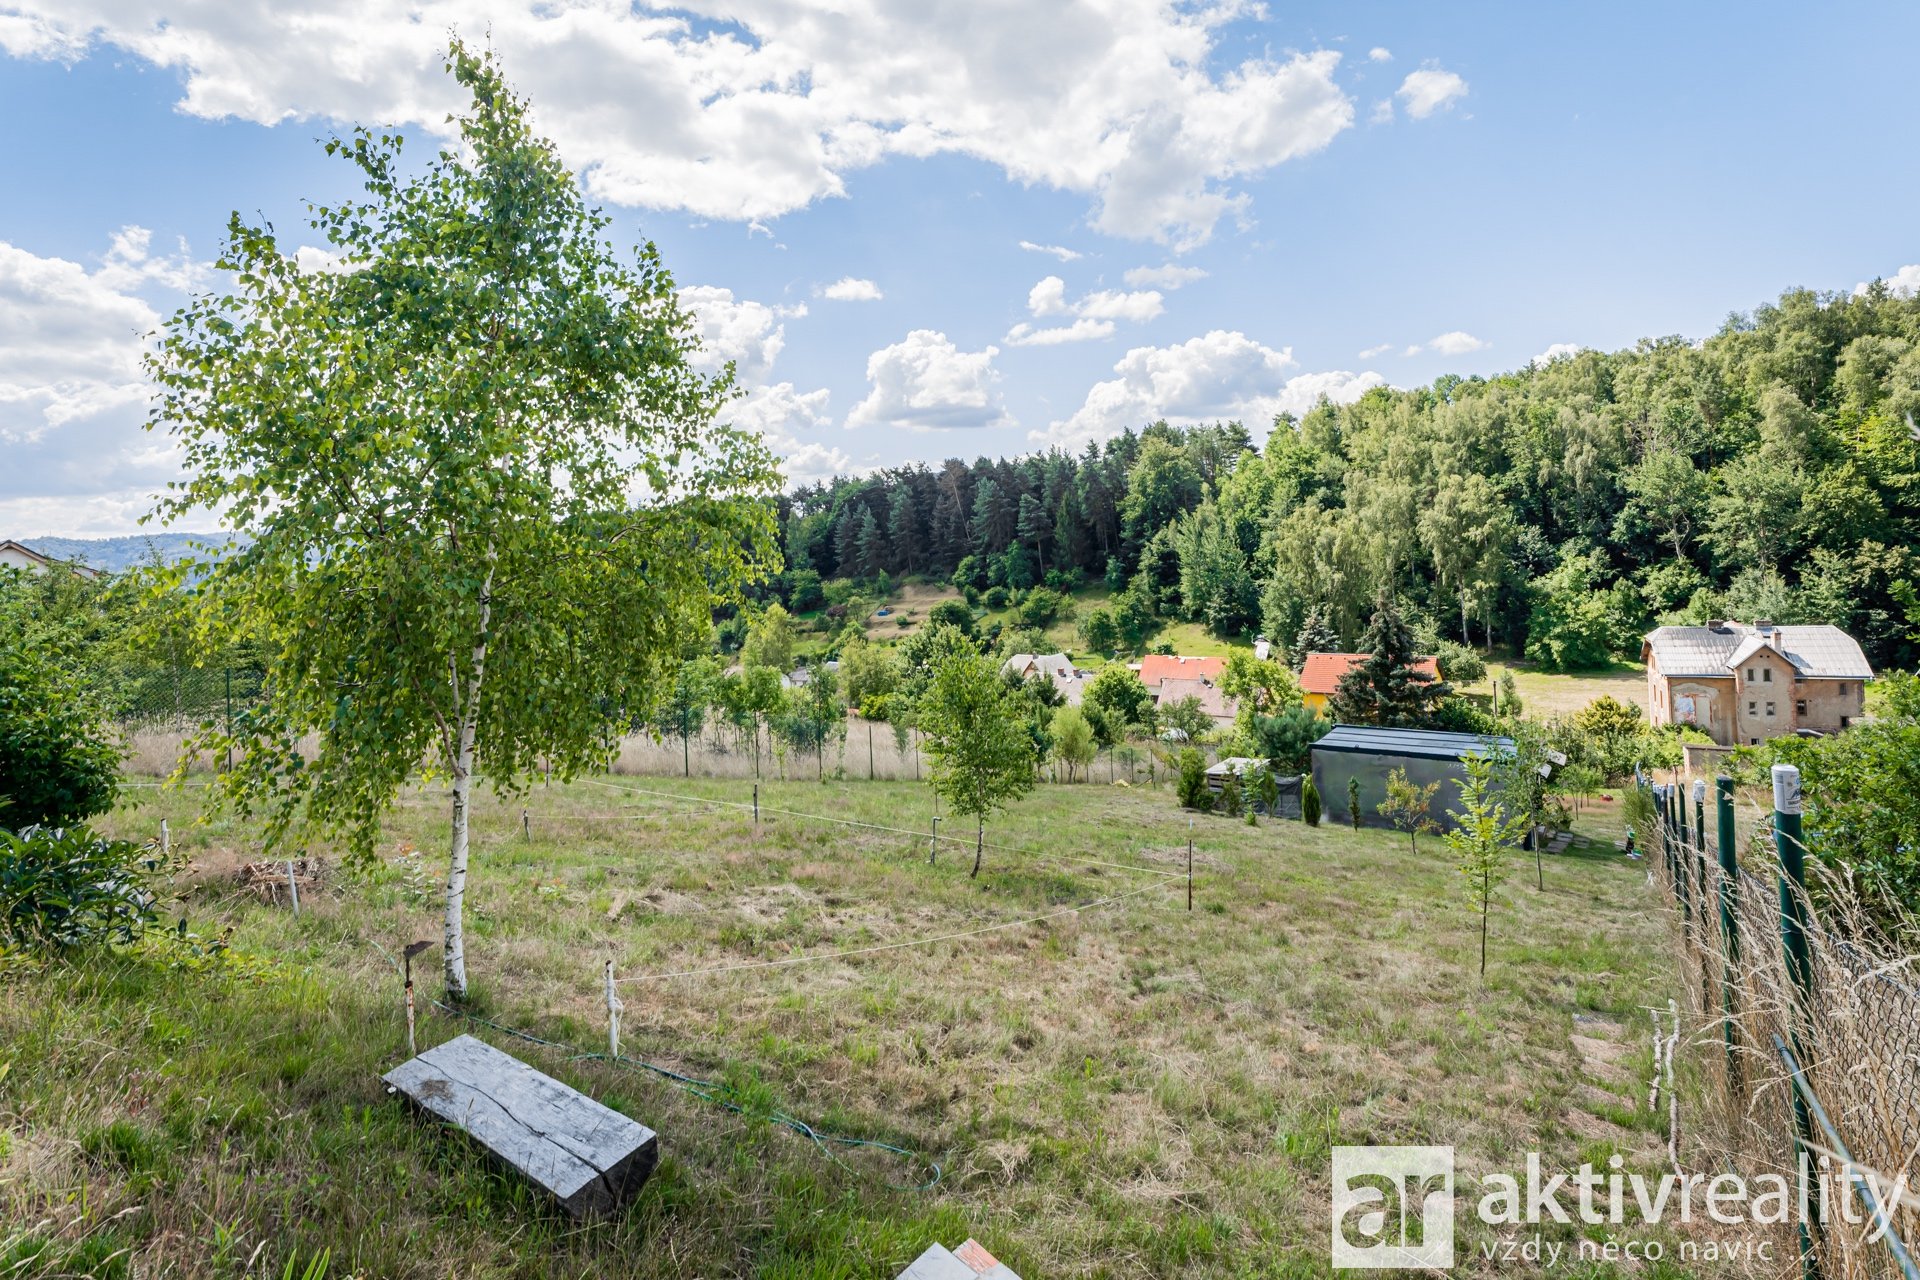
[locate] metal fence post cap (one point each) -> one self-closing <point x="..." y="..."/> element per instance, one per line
<point x="1699" y="790"/>
<point x="1786" y="788"/>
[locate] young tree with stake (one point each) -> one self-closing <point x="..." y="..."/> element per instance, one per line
<point x="483" y="498"/>
<point x="1409" y="806"/>
<point x="1481" y="839"/>
<point x="976" y="735"/>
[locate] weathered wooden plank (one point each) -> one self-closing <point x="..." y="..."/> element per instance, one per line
<point x="587" y="1156"/>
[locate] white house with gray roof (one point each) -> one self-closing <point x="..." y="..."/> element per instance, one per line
<point x="1743" y="683"/>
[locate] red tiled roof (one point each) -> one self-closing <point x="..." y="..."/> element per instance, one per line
<point x="1156" y="667"/>
<point x="1322" y="673"/>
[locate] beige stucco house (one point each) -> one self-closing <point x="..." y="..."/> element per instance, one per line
<point x="1742" y="684"/>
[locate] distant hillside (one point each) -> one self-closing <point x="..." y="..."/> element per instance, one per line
<point x="115" y="554"/>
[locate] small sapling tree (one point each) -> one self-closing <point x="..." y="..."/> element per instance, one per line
<point x="1309" y="803"/>
<point x="1073" y="744"/>
<point x="1353" y="802"/>
<point x="1480" y="839"/>
<point x="483" y="497"/>
<point x="1409" y="806"/>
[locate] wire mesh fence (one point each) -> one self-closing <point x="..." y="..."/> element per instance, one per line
<point x="1783" y="982"/>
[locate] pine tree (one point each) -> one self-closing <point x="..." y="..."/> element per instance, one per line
<point x="903" y="530"/>
<point x="1387" y="688"/>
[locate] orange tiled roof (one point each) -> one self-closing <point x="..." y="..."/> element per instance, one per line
<point x="1156" y="667"/>
<point x="1322" y="673"/>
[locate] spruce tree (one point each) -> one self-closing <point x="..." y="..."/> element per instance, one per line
<point x="1387" y="688"/>
<point x="1315" y="637"/>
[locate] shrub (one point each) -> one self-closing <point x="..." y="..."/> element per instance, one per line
<point x="57" y="765"/>
<point x="1309" y="803"/>
<point x="1353" y="802"/>
<point x="1459" y="664"/>
<point x="951" y="613"/>
<point x="67" y="887"/>
<point x="1192" y="789"/>
<point x="996" y="597"/>
<point x="1229" y="802"/>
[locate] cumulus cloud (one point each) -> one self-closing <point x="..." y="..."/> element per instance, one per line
<point x="1378" y="54"/>
<point x="746" y="111"/>
<point x="72" y="393"/>
<point x="785" y="417"/>
<point x="748" y="333"/>
<point x="1430" y="89"/>
<point x="1558" y="351"/>
<point x="1081" y="330"/>
<point x="925" y="382"/>
<point x="1372" y="352"/>
<point x="1221" y="374"/>
<point x="1455" y="343"/>
<point x="852" y="289"/>
<point x="1093" y="314"/>
<point x="1059" y="251"/>
<point x="1904" y="283"/>
<point x="1167" y="277"/>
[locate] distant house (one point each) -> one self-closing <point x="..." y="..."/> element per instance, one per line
<point x="1170" y="677"/>
<point x="801" y="677"/>
<point x="1070" y="680"/>
<point x="18" y="555"/>
<point x="1322" y="672"/>
<point x="1368" y="755"/>
<point x="1744" y="683"/>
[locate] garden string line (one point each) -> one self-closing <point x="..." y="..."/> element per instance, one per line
<point x="708" y="1091"/>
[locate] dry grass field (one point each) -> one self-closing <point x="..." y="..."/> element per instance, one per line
<point x="1134" y="1089"/>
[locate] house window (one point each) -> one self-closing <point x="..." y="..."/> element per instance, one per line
<point x="1753" y="742"/>
<point x="1766" y="675"/>
<point x="1845" y="721"/>
<point x="1800" y="707"/>
<point x="1769" y="711"/>
<point x="1749" y="675"/>
<point x="1753" y="708"/>
<point x="1843" y="688"/>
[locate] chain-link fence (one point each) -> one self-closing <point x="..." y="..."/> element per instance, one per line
<point x="1787" y="977"/>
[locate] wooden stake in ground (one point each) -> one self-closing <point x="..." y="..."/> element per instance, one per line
<point x="413" y="949"/>
<point x="613" y="1016"/>
<point x="1189" y="864"/>
<point x="293" y="888"/>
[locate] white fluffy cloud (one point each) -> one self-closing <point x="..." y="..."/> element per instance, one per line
<point x="1372" y="352"/>
<point x="752" y="108"/>
<point x="1430" y="89"/>
<point x="748" y="333"/>
<point x="1904" y="283"/>
<point x="1222" y="374"/>
<point x="1081" y="330"/>
<point x="1557" y="351"/>
<point x="72" y="393"/>
<point x="1378" y="54"/>
<point x="1168" y="277"/>
<point x="924" y="382"/>
<point x="784" y="417"/>
<point x="1093" y="315"/>
<point x="1456" y="343"/>
<point x="852" y="289"/>
<point x="1057" y="250"/>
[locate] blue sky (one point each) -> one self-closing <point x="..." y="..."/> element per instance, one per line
<point x="1251" y="206"/>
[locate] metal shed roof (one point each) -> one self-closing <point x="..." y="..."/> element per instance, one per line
<point x="1425" y="744"/>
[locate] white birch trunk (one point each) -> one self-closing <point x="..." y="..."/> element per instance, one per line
<point x="456" y="935"/>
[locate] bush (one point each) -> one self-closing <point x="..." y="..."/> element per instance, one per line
<point x="67" y="887"/>
<point x="951" y="613"/>
<point x="57" y="765"/>
<point x="1353" y="802"/>
<point x="1229" y="802"/>
<point x="1309" y="803"/>
<point x="1459" y="664"/>
<point x="996" y="597"/>
<point x="1192" y="789"/>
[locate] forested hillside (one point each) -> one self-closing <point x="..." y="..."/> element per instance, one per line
<point x="1771" y="470"/>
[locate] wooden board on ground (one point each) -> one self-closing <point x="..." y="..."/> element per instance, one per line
<point x="587" y="1156"/>
<point x="970" y="1261"/>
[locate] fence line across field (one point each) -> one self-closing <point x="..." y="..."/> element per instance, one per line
<point x="868" y="826"/>
<point x="1001" y="926"/>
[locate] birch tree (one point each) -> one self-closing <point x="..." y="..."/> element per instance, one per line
<point x="483" y="498"/>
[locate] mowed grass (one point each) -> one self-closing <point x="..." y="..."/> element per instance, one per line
<point x="1133" y="1090"/>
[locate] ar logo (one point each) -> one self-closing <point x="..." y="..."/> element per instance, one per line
<point x="1393" y="1207"/>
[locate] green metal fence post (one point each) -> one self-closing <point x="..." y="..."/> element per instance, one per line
<point x="1678" y="800"/>
<point x="1792" y="852"/>
<point x="1729" y="931"/>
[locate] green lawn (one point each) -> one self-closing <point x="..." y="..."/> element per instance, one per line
<point x="1134" y="1090"/>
